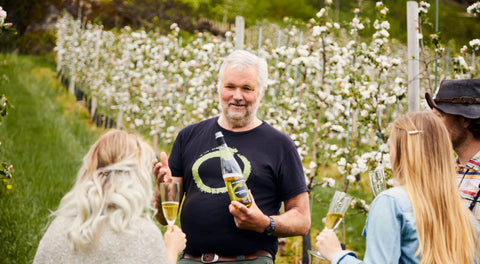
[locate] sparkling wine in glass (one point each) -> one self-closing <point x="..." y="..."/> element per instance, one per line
<point x="333" y="220"/>
<point x="170" y="200"/>
<point x="377" y="180"/>
<point x="336" y="211"/>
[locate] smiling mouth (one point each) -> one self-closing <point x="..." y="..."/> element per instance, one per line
<point x="238" y="105"/>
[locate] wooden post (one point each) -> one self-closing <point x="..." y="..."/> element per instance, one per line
<point x="259" y="40"/>
<point x="155" y="143"/>
<point x="119" y="118"/>
<point x="272" y="89"/>
<point x="239" y="32"/>
<point x="297" y="73"/>
<point x="436" y="54"/>
<point x="473" y="65"/>
<point x="447" y="66"/>
<point x="71" y="84"/>
<point x="93" y="106"/>
<point x="413" y="56"/>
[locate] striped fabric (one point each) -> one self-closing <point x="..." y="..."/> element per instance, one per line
<point x="468" y="180"/>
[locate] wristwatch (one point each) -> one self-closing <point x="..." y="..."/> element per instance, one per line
<point x="270" y="228"/>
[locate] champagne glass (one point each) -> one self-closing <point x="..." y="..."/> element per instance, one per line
<point x="336" y="211"/>
<point x="377" y="180"/>
<point x="169" y="192"/>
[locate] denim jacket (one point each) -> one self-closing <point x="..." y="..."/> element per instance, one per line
<point x="390" y="231"/>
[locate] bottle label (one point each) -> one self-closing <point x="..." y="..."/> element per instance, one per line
<point x="240" y="188"/>
<point x="236" y="186"/>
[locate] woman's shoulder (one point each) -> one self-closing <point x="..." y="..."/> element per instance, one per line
<point x="141" y="243"/>
<point x="396" y="196"/>
<point x="54" y="245"/>
<point x="396" y="192"/>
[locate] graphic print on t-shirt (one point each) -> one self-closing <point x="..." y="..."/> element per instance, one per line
<point x="215" y="153"/>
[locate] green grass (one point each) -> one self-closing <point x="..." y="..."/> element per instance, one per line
<point x="45" y="141"/>
<point x="45" y="137"/>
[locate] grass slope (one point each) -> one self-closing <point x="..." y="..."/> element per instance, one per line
<point x="45" y="141"/>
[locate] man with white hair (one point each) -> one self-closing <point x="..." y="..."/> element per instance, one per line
<point x="217" y="229"/>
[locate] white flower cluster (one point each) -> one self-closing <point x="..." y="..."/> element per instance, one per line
<point x="3" y="15"/>
<point x="423" y="7"/>
<point x="331" y="92"/>
<point x="139" y="76"/>
<point x="474" y="9"/>
<point x="475" y="44"/>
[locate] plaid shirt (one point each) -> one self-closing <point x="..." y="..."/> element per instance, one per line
<point x="468" y="181"/>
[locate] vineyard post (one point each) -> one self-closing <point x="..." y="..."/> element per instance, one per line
<point x="239" y="32"/>
<point x="119" y="118"/>
<point x="447" y="65"/>
<point x="259" y="40"/>
<point x="413" y="56"/>
<point x="279" y="41"/>
<point x="473" y="64"/>
<point x="297" y="73"/>
<point x="71" y="84"/>
<point x="436" y="54"/>
<point x="97" y="55"/>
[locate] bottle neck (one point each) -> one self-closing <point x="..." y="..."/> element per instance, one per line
<point x="221" y="142"/>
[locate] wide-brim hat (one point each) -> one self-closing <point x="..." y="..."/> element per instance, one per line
<point x="457" y="97"/>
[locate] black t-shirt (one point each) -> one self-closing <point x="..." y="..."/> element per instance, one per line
<point x="273" y="172"/>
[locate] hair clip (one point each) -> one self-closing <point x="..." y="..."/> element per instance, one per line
<point x="414" y="132"/>
<point x="104" y="173"/>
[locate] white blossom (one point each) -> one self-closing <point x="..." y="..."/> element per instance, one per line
<point x="351" y="178"/>
<point x="3" y="14"/>
<point x="474" y="9"/>
<point x="328" y="182"/>
<point x="318" y="30"/>
<point x="423" y="7"/>
<point x="475" y="44"/>
<point x="321" y="12"/>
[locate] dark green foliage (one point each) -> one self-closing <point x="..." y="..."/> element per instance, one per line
<point x="28" y="17"/>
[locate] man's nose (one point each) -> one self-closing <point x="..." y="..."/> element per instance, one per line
<point x="237" y="94"/>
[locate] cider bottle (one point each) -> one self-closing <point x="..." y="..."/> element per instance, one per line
<point x="232" y="174"/>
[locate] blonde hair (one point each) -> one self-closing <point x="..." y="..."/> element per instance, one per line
<point x="424" y="164"/>
<point x="113" y="186"/>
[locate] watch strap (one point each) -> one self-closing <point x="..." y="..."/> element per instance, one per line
<point x="270" y="228"/>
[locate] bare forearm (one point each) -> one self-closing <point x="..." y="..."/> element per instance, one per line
<point x="295" y="221"/>
<point x="291" y="223"/>
<point x="157" y="204"/>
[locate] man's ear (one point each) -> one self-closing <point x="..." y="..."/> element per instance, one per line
<point x="466" y="122"/>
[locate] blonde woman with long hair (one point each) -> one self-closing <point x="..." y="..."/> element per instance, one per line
<point x="106" y="217"/>
<point x="422" y="219"/>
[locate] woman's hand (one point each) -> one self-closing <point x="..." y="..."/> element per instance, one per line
<point x="175" y="242"/>
<point x="328" y="244"/>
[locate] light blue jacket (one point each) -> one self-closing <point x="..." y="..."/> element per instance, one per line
<point x="390" y="231"/>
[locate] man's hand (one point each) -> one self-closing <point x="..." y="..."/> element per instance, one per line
<point x="161" y="173"/>
<point x="161" y="170"/>
<point x="249" y="218"/>
<point x="295" y="221"/>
